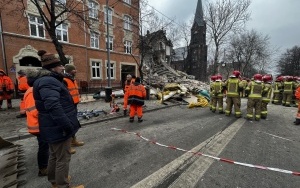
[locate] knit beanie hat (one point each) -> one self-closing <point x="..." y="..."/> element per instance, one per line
<point x="69" y="68"/>
<point x="48" y="60"/>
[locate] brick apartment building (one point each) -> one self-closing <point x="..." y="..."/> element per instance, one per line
<point x="22" y="34"/>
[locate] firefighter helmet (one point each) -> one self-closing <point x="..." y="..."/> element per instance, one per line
<point x="257" y="77"/>
<point x="219" y="77"/>
<point x="236" y="73"/>
<point x="213" y="78"/>
<point x="279" y="79"/>
<point x="267" y="78"/>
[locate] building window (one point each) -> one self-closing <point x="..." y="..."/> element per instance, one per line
<point x="109" y="16"/>
<point x="93" y="10"/>
<point x="96" y="70"/>
<point x="112" y="70"/>
<point x="94" y="40"/>
<point x="127" y="1"/>
<point x="36" y="26"/>
<point x="62" y="32"/>
<point x="111" y="42"/>
<point x="127" y="23"/>
<point x="128" y="47"/>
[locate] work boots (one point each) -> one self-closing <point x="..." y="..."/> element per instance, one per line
<point x="43" y="172"/>
<point x="72" y="151"/>
<point x="297" y="122"/>
<point x="69" y="179"/>
<point x="76" y="143"/>
<point x="140" y="120"/>
<point x="131" y="119"/>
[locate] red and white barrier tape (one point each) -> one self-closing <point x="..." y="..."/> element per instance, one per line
<point x="210" y="156"/>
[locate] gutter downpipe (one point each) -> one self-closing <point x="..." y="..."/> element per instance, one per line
<point x="3" y="46"/>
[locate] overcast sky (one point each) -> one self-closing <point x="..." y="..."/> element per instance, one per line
<point x="277" y="18"/>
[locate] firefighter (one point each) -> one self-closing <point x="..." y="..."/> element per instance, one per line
<point x="70" y="82"/>
<point x="266" y="95"/>
<point x="297" y="96"/>
<point x="212" y="97"/>
<point x="297" y="84"/>
<point x="217" y="93"/>
<point x="22" y="88"/>
<point x="277" y="90"/>
<point x="288" y="87"/>
<point x="255" y="89"/>
<point x="244" y="84"/>
<point x="233" y="86"/>
<point x="136" y="94"/>
<point x="6" y="89"/>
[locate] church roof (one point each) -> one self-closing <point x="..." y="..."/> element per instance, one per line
<point x="199" y="14"/>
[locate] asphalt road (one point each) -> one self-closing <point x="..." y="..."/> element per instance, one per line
<point x="115" y="159"/>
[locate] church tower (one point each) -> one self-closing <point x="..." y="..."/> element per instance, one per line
<point x="197" y="50"/>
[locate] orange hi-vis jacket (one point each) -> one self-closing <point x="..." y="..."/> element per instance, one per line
<point x="31" y="112"/>
<point x="6" y="86"/>
<point x="73" y="89"/>
<point x="22" y="84"/>
<point x="136" y="94"/>
<point x="127" y="85"/>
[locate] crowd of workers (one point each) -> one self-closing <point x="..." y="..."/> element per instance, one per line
<point x="49" y="99"/>
<point x="260" y="91"/>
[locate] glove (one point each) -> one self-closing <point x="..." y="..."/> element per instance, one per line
<point x="125" y="112"/>
<point x="10" y="92"/>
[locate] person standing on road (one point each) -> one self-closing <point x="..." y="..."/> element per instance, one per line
<point x="256" y="88"/>
<point x="57" y="117"/>
<point x="277" y="90"/>
<point x="217" y="92"/>
<point x="136" y="95"/>
<point x="6" y="89"/>
<point x="22" y="88"/>
<point x="266" y="95"/>
<point x="297" y="96"/>
<point x="70" y="82"/>
<point x="288" y="87"/>
<point x="233" y="86"/>
<point x="33" y="126"/>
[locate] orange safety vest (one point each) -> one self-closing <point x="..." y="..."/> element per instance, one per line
<point x="22" y="83"/>
<point x="73" y="89"/>
<point x="31" y="112"/>
<point x="136" y="94"/>
<point x="297" y="93"/>
<point x="6" y="85"/>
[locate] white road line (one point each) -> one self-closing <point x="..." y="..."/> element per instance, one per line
<point x="192" y="175"/>
<point x="277" y="136"/>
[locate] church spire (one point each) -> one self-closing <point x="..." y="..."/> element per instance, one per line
<point x="199" y="14"/>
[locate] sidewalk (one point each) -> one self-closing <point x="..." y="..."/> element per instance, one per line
<point x="13" y="128"/>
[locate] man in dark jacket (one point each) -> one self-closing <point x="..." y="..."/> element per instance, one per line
<point x="57" y="117"/>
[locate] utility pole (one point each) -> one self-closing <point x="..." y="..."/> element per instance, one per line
<point x="108" y="89"/>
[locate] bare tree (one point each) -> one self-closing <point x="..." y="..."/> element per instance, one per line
<point x="289" y="62"/>
<point x="224" y="17"/>
<point x="249" y="53"/>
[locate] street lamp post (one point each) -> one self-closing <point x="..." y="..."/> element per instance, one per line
<point x="108" y="89"/>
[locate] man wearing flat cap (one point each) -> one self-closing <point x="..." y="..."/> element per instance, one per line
<point x="57" y="117"/>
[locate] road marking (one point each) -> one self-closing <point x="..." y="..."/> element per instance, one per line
<point x="213" y="145"/>
<point x="277" y="136"/>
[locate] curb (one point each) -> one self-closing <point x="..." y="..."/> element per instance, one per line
<point x="28" y="135"/>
